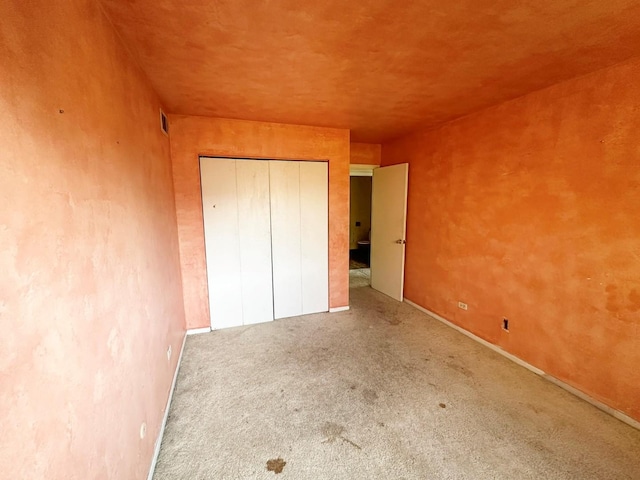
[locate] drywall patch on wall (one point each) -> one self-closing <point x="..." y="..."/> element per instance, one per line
<point x="218" y="137"/>
<point x="528" y="211"/>
<point x="91" y="291"/>
<point x="365" y="153"/>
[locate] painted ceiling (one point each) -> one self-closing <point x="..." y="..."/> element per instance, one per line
<point x="381" y="68"/>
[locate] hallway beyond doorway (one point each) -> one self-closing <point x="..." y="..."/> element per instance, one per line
<point x="360" y="278"/>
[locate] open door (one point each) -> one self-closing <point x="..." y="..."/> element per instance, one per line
<point x="388" y="227"/>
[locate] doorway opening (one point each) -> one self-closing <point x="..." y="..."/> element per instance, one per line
<point x="378" y="222"/>
<point x="361" y="177"/>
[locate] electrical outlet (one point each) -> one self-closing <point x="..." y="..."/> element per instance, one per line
<point x="462" y="305"/>
<point x="169" y="353"/>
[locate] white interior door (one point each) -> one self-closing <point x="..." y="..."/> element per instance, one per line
<point x="314" y="236"/>
<point x="285" y="238"/>
<point x="222" y="241"/>
<point x="388" y="228"/>
<point x="254" y="228"/>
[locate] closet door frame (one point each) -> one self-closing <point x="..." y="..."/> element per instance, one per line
<point x="318" y="304"/>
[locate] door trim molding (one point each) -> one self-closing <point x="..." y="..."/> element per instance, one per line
<point x="361" y="170"/>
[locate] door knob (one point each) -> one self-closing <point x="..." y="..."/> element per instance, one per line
<point x="401" y="242"/>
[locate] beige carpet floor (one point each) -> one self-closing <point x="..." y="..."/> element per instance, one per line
<point x="381" y="391"/>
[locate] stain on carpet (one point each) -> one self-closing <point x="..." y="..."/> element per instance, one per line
<point x="276" y="465"/>
<point x="390" y="315"/>
<point x="370" y="396"/>
<point x="460" y="369"/>
<point x="332" y="432"/>
<point x="442" y="405"/>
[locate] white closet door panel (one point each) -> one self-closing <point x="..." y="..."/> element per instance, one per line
<point x="252" y="178"/>
<point x="314" y="236"/>
<point x="220" y="211"/>
<point x="285" y="238"/>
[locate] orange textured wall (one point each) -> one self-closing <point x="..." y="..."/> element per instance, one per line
<point x="529" y="210"/>
<point x="195" y="136"/>
<point x="366" y="153"/>
<point x="90" y="286"/>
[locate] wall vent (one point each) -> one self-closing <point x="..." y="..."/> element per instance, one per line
<point x="164" y="123"/>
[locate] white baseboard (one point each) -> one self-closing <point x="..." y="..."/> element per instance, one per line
<point x="596" y="403"/>
<point x="490" y="345"/>
<point x="338" y="309"/>
<point x="156" y="450"/>
<point x="196" y="331"/>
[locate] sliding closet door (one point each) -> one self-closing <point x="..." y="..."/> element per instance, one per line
<point x="285" y="238"/>
<point x="266" y="234"/>
<point x="254" y="226"/>
<point x="235" y="199"/>
<point x="221" y="233"/>
<point x="314" y="236"/>
<point x="299" y="237"/>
